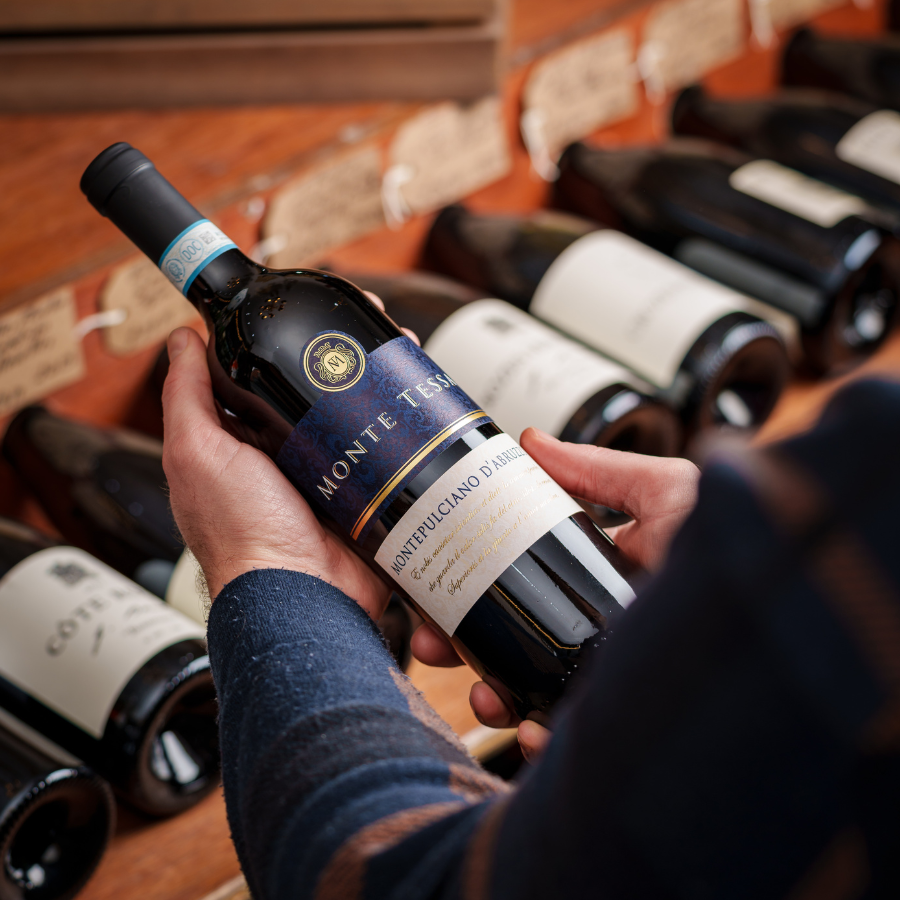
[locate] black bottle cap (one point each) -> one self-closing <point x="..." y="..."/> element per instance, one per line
<point x="123" y="185"/>
<point x="109" y="169"/>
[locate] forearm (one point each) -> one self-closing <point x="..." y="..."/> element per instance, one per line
<point x="327" y="749"/>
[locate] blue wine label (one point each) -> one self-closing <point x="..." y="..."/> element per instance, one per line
<point x="381" y="419"/>
<point x="191" y="251"/>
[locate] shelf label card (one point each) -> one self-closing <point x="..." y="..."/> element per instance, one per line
<point x="873" y="144"/>
<point x="153" y="307"/>
<point x="796" y="193"/>
<point x="73" y="632"/>
<point x="684" y="39"/>
<point x="39" y="349"/>
<point x="785" y="13"/>
<point x="521" y="371"/>
<point x="471" y="525"/>
<point x="582" y="87"/>
<point x="325" y="208"/>
<point x="449" y="151"/>
<point x="631" y="302"/>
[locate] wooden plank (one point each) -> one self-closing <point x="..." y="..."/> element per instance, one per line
<point x="286" y="66"/>
<point x="97" y="15"/>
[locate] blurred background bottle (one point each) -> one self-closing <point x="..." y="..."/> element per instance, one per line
<point x="107" y="671"/>
<point x="692" y="339"/>
<point x="524" y="373"/>
<point x="793" y="241"/>
<point x="56" y="818"/>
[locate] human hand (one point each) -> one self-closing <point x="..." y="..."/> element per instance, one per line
<point x="657" y="493"/>
<point x="234" y="507"/>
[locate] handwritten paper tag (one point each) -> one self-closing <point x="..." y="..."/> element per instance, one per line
<point x="153" y="307"/>
<point x="325" y="208"/>
<point x="584" y="86"/>
<point x="686" y="38"/>
<point x="39" y="350"/>
<point x="785" y="13"/>
<point x="450" y="151"/>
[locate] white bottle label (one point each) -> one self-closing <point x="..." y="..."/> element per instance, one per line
<point x="873" y="144"/>
<point x="73" y="632"/>
<point x="190" y="252"/>
<point x="631" y="302"/>
<point x="187" y="591"/>
<point x="795" y="193"/>
<point x="472" y="524"/>
<point x="519" y="370"/>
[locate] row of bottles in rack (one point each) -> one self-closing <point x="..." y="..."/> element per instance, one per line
<point x="669" y="291"/>
<point x="105" y="686"/>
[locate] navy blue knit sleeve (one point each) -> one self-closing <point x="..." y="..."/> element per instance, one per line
<point x="329" y="754"/>
<point x="737" y="738"/>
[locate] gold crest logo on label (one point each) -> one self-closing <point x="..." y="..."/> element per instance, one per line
<point x="334" y="362"/>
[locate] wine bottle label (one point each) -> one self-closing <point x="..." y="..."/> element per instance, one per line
<point x="381" y="419"/>
<point x="631" y="302"/>
<point x="520" y="370"/>
<point x="186" y="590"/>
<point x="873" y="144"/>
<point x="73" y="632"/>
<point x="795" y="193"/>
<point x="191" y="251"/>
<point x="473" y="523"/>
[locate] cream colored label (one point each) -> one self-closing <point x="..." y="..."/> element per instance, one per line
<point x="873" y="144"/>
<point x="187" y="590"/>
<point x="520" y="371"/>
<point x="583" y="86"/>
<point x="795" y="193"/>
<point x="73" y="632"/>
<point x="450" y="151"/>
<point x="152" y="306"/>
<point x="325" y="208"/>
<point x="470" y="525"/>
<point x="631" y="302"/>
<point x="684" y="39"/>
<point x="39" y="350"/>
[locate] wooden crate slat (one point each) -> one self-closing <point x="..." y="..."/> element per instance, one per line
<point x="109" y="15"/>
<point x="69" y="73"/>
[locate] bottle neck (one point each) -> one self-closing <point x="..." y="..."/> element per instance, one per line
<point x="168" y="229"/>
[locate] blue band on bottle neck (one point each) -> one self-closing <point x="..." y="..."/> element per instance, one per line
<point x="197" y="246"/>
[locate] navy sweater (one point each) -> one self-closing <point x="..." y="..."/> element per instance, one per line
<point x="738" y="738"/>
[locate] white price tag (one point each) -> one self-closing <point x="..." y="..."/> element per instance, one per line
<point x="450" y="151"/>
<point x="325" y="208"/>
<point x="40" y="351"/>
<point x="583" y="86"/>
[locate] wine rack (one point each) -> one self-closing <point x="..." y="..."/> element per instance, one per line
<point x="237" y="164"/>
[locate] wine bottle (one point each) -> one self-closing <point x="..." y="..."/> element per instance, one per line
<point x="832" y="138"/>
<point x="56" y="818"/>
<point x="839" y="271"/>
<point x="863" y="67"/>
<point x="692" y="339"/>
<point x="105" y="490"/>
<point x="107" y="671"/>
<point x="521" y="371"/>
<point x="387" y="448"/>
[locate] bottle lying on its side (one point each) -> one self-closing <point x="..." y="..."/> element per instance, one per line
<point x="762" y="228"/>
<point x="56" y="818"/>
<point x="523" y="372"/>
<point x="838" y="140"/>
<point x="105" y="490"/>
<point x="697" y="343"/>
<point x="387" y="448"/>
<point x="106" y="671"/>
